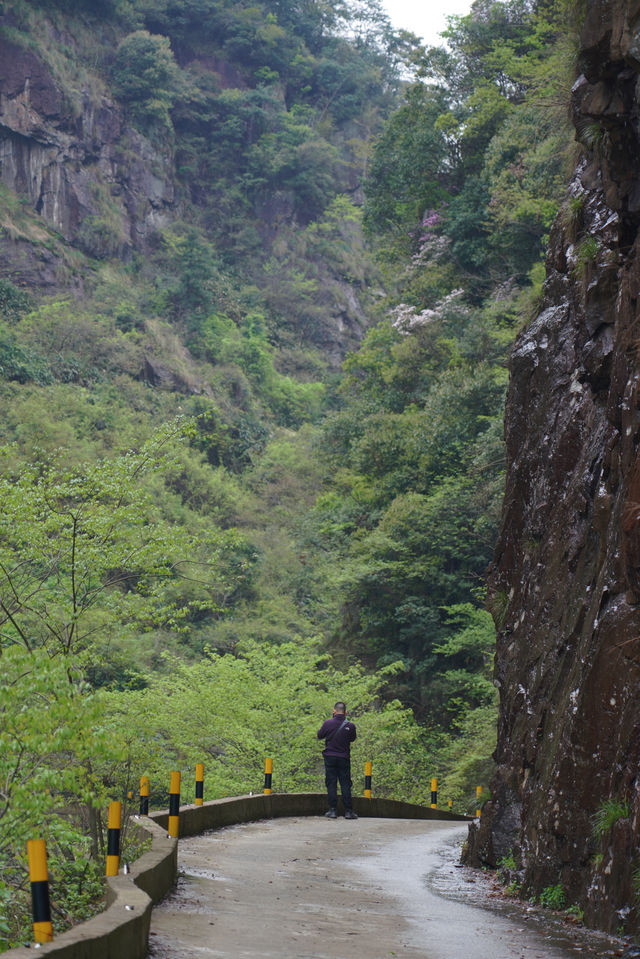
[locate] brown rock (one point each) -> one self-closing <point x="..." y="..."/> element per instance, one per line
<point x="565" y="580"/>
<point x="95" y="180"/>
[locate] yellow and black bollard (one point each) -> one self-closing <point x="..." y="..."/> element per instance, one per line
<point x="144" y="795"/>
<point x="450" y="805"/>
<point x="113" y="838"/>
<point x="268" y="770"/>
<point x="478" y="795"/>
<point x="174" y="805"/>
<point x="199" y="784"/>
<point x="434" y="793"/>
<point x="39" y="878"/>
<point x="368" y="768"/>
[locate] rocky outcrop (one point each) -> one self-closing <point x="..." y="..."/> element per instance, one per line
<point x="98" y="185"/>
<point x="93" y="179"/>
<point x="565" y="581"/>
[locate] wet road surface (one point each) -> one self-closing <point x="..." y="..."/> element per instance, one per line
<point x="311" y="888"/>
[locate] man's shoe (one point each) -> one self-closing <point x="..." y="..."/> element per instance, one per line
<point x="350" y="814"/>
<point x="331" y="814"/>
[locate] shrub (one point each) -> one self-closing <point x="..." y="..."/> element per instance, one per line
<point x="146" y="78"/>
<point x="552" y="897"/>
<point x="508" y="861"/>
<point x="13" y="301"/>
<point x="21" y="364"/>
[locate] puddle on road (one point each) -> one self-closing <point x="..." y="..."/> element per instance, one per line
<point x="462" y="884"/>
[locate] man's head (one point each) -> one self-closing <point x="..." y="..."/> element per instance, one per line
<point x="339" y="709"/>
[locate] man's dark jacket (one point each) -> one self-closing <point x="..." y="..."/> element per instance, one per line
<point x="340" y="741"/>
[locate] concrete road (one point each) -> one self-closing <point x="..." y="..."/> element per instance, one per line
<point x="317" y="889"/>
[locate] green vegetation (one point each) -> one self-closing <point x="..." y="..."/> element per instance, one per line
<point x="146" y="76"/>
<point x="202" y="505"/>
<point x="575" y="913"/>
<point x="608" y="814"/>
<point x="552" y="897"/>
<point x="507" y="863"/>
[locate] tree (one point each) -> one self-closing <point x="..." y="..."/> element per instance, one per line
<point x="56" y="752"/>
<point x="83" y="553"/>
<point x="410" y="170"/>
<point x="269" y="700"/>
<point x="147" y="78"/>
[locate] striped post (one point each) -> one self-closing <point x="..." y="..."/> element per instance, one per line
<point x="113" y="838"/>
<point x="478" y="795"/>
<point x="434" y="793"/>
<point x="144" y="795"/>
<point x="368" y="767"/>
<point x="268" y="770"/>
<point x="39" y="878"/>
<point x="174" y="805"/>
<point x="450" y="805"/>
<point x="199" y="784"/>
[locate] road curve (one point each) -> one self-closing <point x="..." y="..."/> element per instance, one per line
<point x="310" y="888"/>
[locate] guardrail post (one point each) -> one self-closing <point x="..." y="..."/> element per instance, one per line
<point x="368" y="768"/>
<point x="144" y="795"/>
<point x="450" y="805"/>
<point x="113" y="838"/>
<point x="268" y="770"/>
<point x="174" y="805"/>
<point x="199" y="784"/>
<point x="478" y="795"/>
<point x="434" y="793"/>
<point x="39" y="878"/>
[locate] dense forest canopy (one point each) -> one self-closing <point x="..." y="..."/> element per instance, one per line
<point x="198" y="493"/>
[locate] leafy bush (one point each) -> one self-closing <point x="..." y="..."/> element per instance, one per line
<point x="21" y="364"/>
<point x="552" y="897"/>
<point x="13" y="301"/>
<point x="146" y="78"/>
<point x="508" y="861"/>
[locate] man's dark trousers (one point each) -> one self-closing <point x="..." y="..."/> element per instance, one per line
<point x="338" y="769"/>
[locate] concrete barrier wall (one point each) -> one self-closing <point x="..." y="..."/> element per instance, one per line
<point x="156" y="870"/>
<point x="227" y="812"/>
<point x="122" y="930"/>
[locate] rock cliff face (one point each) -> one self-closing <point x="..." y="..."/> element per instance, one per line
<point x="100" y="186"/>
<point x="565" y="581"/>
<point x="92" y="178"/>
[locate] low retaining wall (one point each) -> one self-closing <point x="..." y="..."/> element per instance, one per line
<point x="122" y="930"/>
<point x="227" y="812"/>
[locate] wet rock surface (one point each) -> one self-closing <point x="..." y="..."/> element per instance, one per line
<point x="336" y="890"/>
<point x="565" y="581"/>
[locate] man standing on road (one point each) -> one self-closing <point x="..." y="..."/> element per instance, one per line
<point x="338" y="733"/>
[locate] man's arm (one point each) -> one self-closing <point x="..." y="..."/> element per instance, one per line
<point x="322" y="732"/>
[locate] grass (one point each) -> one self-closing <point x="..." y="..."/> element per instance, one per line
<point x="608" y="814"/>
<point x="586" y="255"/>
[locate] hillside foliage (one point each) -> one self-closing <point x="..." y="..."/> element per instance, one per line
<point x="203" y="506"/>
